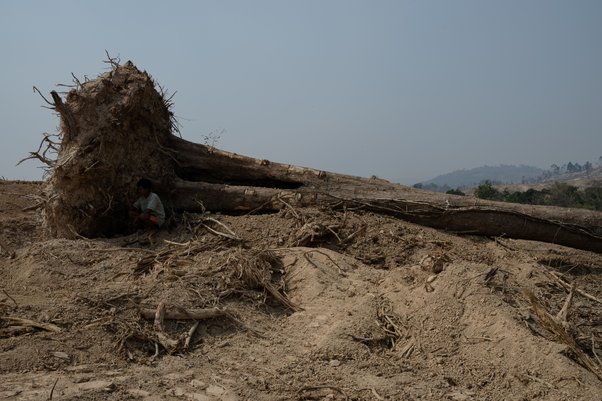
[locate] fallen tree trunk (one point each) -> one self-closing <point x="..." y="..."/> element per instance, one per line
<point x="577" y="228"/>
<point x="118" y="128"/>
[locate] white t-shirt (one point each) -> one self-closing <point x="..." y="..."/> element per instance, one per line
<point x="152" y="202"/>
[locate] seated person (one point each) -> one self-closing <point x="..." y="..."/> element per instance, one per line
<point x="148" y="210"/>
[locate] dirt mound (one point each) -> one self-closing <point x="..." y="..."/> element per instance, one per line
<point x="304" y="304"/>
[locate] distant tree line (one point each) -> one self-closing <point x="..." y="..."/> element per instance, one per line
<point x="500" y="175"/>
<point x="559" y="194"/>
<point x="556" y="170"/>
<point x="432" y="187"/>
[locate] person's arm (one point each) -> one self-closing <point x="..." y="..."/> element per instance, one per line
<point x="138" y="205"/>
<point x="128" y="201"/>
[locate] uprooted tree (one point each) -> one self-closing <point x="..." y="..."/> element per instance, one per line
<point x="119" y="127"/>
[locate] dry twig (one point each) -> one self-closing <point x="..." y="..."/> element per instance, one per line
<point x="561" y="333"/>
<point x="191" y="332"/>
<point x="52" y="389"/>
<point x="323" y="387"/>
<point x="567" y="287"/>
<point x="185" y="314"/>
<point x="9" y="297"/>
<point x="17" y="321"/>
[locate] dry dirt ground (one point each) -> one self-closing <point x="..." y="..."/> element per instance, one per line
<point x="379" y="309"/>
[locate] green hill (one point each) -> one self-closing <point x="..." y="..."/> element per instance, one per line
<point x="506" y="174"/>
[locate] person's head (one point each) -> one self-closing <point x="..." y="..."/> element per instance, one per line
<point x="144" y="186"/>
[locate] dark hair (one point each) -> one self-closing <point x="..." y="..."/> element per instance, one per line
<point x="144" y="183"/>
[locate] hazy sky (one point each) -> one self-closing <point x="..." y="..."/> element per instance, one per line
<point x="404" y="90"/>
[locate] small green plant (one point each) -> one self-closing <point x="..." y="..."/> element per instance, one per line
<point x="455" y="192"/>
<point x="487" y="191"/>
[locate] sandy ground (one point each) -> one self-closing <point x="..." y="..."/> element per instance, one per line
<point x="383" y="310"/>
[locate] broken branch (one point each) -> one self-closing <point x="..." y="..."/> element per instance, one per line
<point x="17" y="321"/>
<point x="183" y="314"/>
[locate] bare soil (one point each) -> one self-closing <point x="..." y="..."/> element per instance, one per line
<point x="383" y="310"/>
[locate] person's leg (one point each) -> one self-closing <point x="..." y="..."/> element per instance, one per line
<point x="136" y="219"/>
<point x="151" y="228"/>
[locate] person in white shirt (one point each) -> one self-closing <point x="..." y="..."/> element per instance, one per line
<point x="148" y="209"/>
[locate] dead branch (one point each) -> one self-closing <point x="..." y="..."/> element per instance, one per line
<point x="323" y="387"/>
<point x="388" y="321"/>
<point x="9" y="297"/>
<point x="183" y="314"/>
<point x="228" y="234"/>
<point x="17" y="321"/>
<point x="184" y="244"/>
<point x="292" y="209"/>
<point x="113" y="61"/>
<point x="33" y="207"/>
<point x="567" y="287"/>
<point x="35" y="89"/>
<point x="159" y="316"/>
<point x="65" y="111"/>
<point x="52" y="389"/>
<point x="121" y="249"/>
<point x="41" y="154"/>
<point x="168" y="343"/>
<point x="562" y="334"/>
<point x="341" y="271"/>
<point x="563" y="314"/>
<point x="187" y="342"/>
<point x="75" y="80"/>
<point x="351" y="236"/>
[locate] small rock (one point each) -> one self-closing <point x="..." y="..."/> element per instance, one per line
<point x="134" y="392"/>
<point x="96" y="385"/>
<point x="80" y="369"/>
<point x="334" y="363"/>
<point x="200" y="397"/>
<point x="81" y="378"/>
<point x="437" y="266"/>
<point x="215" y="391"/>
<point x="179" y="391"/>
<point x="61" y="355"/>
<point x="198" y="384"/>
<point x="110" y="388"/>
<point x="178" y="376"/>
